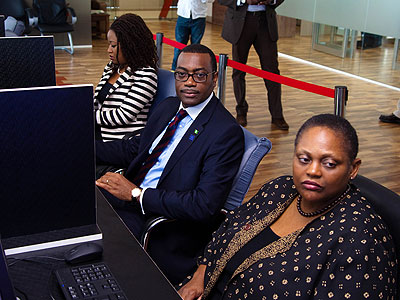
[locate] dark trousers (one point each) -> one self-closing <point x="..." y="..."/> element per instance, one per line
<point x="255" y="32"/>
<point x="129" y="212"/>
<point x="188" y="28"/>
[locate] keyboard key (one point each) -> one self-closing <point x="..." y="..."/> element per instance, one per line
<point x="89" y="282"/>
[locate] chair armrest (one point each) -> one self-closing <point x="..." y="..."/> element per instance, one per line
<point x="155" y="222"/>
<point x="255" y="149"/>
<point x="120" y="171"/>
<point x="33" y="19"/>
<point x="71" y="12"/>
<point x="132" y="134"/>
<point x="148" y="227"/>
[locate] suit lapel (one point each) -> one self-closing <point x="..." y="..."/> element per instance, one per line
<point x="190" y="137"/>
<point x="121" y="79"/>
<point x="104" y="78"/>
<point x="157" y="123"/>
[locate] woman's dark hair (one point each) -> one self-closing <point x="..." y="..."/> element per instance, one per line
<point x="198" y="48"/>
<point x="337" y="124"/>
<point x="136" y="41"/>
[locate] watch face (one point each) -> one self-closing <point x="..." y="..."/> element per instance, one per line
<point x="136" y="192"/>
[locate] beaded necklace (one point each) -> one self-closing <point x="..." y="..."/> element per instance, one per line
<point x="322" y="210"/>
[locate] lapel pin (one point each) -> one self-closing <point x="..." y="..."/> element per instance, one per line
<point x="191" y="137"/>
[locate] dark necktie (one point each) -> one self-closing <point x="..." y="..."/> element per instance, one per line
<point x="162" y="144"/>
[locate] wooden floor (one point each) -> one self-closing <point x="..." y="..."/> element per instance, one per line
<point x="379" y="143"/>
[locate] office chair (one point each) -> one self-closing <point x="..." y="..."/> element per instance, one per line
<point x="19" y="10"/>
<point x="165" y="87"/>
<point x="53" y="18"/>
<point x="386" y="203"/>
<point x="255" y="149"/>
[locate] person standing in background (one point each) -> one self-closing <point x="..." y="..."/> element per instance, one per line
<point x="247" y="23"/>
<point x="191" y="23"/>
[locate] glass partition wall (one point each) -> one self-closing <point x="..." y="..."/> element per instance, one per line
<point x="344" y="29"/>
<point x="334" y="40"/>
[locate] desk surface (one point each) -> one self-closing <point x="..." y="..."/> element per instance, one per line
<point x="134" y="270"/>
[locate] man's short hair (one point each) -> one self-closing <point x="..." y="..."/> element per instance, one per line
<point x="198" y="48"/>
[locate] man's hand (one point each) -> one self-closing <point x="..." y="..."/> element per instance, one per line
<point x="193" y="290"/>
<point x="117" y="185"/>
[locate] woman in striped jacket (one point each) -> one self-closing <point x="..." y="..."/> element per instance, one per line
<point x="127" y="87"/>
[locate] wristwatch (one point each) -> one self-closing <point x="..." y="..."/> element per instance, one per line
<point x="136" y="192"/>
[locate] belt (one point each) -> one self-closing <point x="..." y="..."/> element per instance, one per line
<point x="256" y="13"/>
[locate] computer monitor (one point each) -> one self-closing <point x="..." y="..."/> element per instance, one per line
<point x="6" y="287"/>
<point x="2" y="27"/>
<point x="47" y="158"/>
<point x="27" y="62"/>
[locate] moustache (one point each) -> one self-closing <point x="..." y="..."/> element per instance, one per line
<point x="190" y="91"/>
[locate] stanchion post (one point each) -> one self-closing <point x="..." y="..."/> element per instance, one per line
<point x="341" y="95"/>
<point x="223" y="61"/>
<point x="159" y="45"/>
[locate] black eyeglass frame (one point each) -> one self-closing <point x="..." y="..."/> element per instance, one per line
<point x="192" y="75"/>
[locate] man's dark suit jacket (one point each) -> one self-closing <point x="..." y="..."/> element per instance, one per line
<point x="193" y="186"/>
<point x="236" y="15"/>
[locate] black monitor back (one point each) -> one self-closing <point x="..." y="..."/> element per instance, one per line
<point x="6" y="288"/>
<point x="47" y="178"/>
<point x="27" y="62"/>
<point x="2" y="28"/>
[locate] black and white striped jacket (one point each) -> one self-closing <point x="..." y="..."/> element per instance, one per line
<point x="127" y="104"/>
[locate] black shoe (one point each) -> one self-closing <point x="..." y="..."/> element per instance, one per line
<point x="280" y="123"/>
<point x="389" y="119"/>
<point x="242" y="120"/>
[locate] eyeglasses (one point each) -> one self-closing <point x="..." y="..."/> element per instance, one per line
<point x="198" y="77"/>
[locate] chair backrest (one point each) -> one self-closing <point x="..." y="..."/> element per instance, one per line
<point x="386" y="203"/>
<point x="165" y="87"/>
<point x="51" y="12"/>
<point x="255" y="149"/>
<point x="14" y="8"/>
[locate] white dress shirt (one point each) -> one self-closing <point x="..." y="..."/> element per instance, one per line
<point x="193" y="8"/>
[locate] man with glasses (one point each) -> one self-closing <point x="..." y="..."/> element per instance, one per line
<point x="181" y="167"/>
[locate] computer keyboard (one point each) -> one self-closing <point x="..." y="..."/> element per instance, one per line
<point x="93" y="281"/>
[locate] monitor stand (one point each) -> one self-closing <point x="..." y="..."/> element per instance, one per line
<point x="51" y="239"/>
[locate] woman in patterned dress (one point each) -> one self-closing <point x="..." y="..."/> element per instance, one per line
<point x="310" y="236"/>
<point x="129" y="82"/>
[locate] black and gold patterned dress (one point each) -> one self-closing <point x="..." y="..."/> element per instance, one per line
<point x="346" y="253"/>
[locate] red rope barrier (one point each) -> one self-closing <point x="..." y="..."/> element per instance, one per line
<point x="305" y="86"/>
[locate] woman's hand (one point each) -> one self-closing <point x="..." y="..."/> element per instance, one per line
<point x="193" y="290"/>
